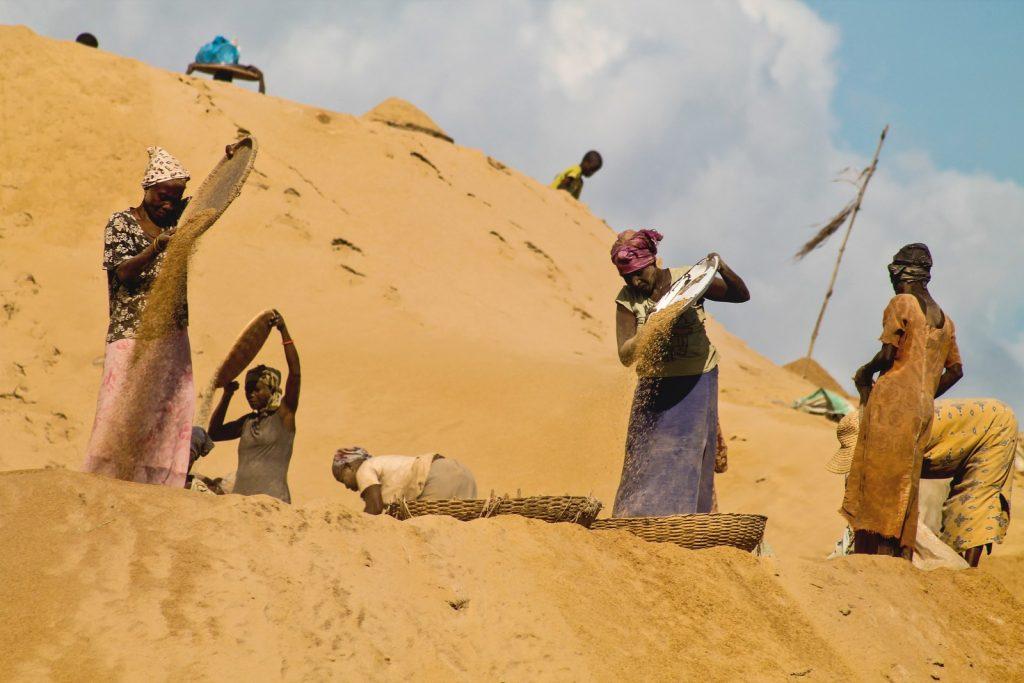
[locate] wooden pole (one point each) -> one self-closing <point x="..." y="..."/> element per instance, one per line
<point x="869" y="171"/>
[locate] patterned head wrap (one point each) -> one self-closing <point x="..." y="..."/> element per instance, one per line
<point x="912" y="263"/>
<point x="271" y="378"/>
<point x="635" y="250"/>
<point x="162" y="167"/>
<point x="349" y="455"/>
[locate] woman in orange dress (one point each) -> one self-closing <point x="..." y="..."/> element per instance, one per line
<point x="919" y="360"/>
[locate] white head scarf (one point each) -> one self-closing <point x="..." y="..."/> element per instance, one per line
<point x="162" y="166"/>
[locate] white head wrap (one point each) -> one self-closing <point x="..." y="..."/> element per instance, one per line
<point x="162" y="166"/>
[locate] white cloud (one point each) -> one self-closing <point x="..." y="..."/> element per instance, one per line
<point x="716" y="123"/>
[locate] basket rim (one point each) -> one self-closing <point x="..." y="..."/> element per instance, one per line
<point x="580" y="509"/>
<point x="690" y="515"/>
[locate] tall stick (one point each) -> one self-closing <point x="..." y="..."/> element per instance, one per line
<point x="868" y="172"/>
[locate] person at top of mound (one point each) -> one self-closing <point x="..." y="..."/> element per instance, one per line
<point x="918" y="362"/>
<point x="672" y="439"/>
<point x="385" y="479"/>
<point x="267" y="434"/>
<point x="87" y="39"/>
<point x="571" y="179"/>
<point x="133" y="254"/>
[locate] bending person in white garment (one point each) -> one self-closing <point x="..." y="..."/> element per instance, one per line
<point x="385" y="479"/>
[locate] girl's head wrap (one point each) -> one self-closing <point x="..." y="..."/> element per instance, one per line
<point x="635" y="250"/>
<point x="912" y="263"/>
<point x="271" y="378"/>
<point x="163" y="166"/>
<point x="349" y="455"/>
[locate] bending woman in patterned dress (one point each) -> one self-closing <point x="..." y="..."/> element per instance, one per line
<point x="972" y="443"/>
<point x="919" y="360"/>
<point x="143" y="433"/>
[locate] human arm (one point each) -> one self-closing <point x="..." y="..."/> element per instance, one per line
<point x="219" y="431"/>
<point x="894" y="325"/>
<point x="625" y="334"/>
<point x="566" y="182"/>
<point x="116" y="244"/>
<point x="727" y="286"/>
<point x="950" y="376"/>
<point x="882" y="361"/>
<point x="954" y="368"/>
<point x="290" y="401"/>
<point x="374" y="502"/>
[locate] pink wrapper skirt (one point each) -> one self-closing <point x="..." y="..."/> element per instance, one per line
<point x="144" y="413"/>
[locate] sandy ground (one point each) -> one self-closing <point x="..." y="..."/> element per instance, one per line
<point x="125" y="581"/>
<point x="440" y="301"/>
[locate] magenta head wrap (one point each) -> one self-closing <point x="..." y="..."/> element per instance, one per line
<point x="635" y="250"/>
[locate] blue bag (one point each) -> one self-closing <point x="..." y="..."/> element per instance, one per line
<point x="217" y="51"/>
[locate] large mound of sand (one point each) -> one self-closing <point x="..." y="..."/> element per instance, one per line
<point x="401" y="114"/>
<point x="812" y="371"/>
<point x="131" y="582"/>
<point x="439" y="302"/>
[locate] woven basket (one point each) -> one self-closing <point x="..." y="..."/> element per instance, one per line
<point x="693" y="531"/>
<point x="224" y="182"/>
<point x="575" y="509"/>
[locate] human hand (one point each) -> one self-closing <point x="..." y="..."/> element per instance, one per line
<point x="180" y="209"/>
<point x="863" y="380"/>
<point x="277" y="320"/>
<point x="863" y="376"/>
<point x="231" y="387"/>
<point x="161" y="241"/>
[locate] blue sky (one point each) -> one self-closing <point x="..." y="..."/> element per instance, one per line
<point x="723" y="123"/>
<point x="950" y="73"/>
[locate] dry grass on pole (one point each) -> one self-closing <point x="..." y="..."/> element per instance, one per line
<point x="848" y="212"/>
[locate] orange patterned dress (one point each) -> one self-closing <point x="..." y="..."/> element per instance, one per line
<point x="881" y="491"/>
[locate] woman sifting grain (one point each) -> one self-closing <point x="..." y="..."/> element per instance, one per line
<point x="919" y="360"/>
<point x="672" y="439"/>
<point x="267" y="434"/>
<point x="133" y="253"/>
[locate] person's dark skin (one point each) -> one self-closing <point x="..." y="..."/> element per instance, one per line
<point x="373" y="502"/>
<point x="886" y="356"/>
<point x="654" y="282"/>
<point x="157" y="215"/>
<point x="258" y="395"/>
<point x="590" y="165"/>
<point x="229" y="150"/>
<point x="973" y="555"/>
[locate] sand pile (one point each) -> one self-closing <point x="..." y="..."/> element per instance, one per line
<point x="813" y="372"/>
<point x="402" y="114"/>
<point x="405" y="275"/>
<point x="439" y="303"/>
<point x="153" y="582"/>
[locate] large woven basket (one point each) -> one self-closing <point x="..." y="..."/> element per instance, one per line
<point x="224" y="182"/>
<point x="581" y="510"/>
<point x="693" y="531"/>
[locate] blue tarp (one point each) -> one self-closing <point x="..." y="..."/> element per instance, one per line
<point x="217" y="51"/>
<point x="824" y="402"/>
